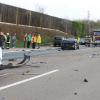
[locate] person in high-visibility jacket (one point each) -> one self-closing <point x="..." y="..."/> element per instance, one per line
<point x="29" y="40"/>
<point x="25" y="40"/>
<point x="39" y="40"/>
<point x="33" y="40"/>
<point x="78" y="39"/>
<point x="8" y="41"/>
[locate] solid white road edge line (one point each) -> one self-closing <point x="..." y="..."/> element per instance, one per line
<point x="26" y="80"/>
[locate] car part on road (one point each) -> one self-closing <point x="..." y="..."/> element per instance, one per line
<point x="75" y="93"/>
<point x="26" y="57"/>
<point x="25" y="60"/>
<point x="85" y="80"/>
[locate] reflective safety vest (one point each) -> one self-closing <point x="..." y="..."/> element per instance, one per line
<point x="38" y="39"/>
<point x="5" y="37"/>
<point x="34" y="39"/>
<point x="29" y="37"/>
<point x="78" y="40"/>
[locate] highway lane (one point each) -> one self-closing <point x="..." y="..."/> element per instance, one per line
<point x="65" y="82"/>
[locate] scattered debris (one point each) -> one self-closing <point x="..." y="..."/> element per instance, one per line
<point x="3" y="98"/>
<point x="43" y="62"/>
<point x="95" y="55"/>
<point x="23" y="73"/>
<point x="23" y="50"/>
<point x="26" y="57"/>
<point x="27" y="71"/>
<point x="59" y="49"/>
<point x="85" y="80"/>
<point x="75" y="93"/>
<point x="75" y="69"/>
<point x="36" y="66"/>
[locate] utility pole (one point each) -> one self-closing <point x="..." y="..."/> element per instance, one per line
<point x="88" y="23"/>
<point x="16" y="16"/>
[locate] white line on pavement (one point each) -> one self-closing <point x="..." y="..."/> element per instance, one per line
<point x="27" y="80"/>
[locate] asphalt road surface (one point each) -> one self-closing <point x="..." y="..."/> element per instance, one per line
<point x="63" y="75"/>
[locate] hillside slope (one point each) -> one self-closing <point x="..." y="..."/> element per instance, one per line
<point x="46" y="33"/>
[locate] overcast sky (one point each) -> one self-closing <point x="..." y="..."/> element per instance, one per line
<point x="68" y="9"/>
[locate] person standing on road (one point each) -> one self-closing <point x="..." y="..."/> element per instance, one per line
<point x="38" y="41"/>
<point x="13" y="39"/>
<point x="29" y="40"/>
<point x="78" y="39"/>
<point x="25" y="40"/>
<point x="8" y="41"/>
<point x="5" y="39"/>
<point x="2" y="40"/>
<point x="33" y="41"/>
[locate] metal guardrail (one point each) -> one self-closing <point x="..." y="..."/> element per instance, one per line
<point x="31" y="53"/>
<point x="24" y="55"/>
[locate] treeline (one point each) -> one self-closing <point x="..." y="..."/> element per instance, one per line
<point x="82" y="28"/>
<point x="10" y="14"/>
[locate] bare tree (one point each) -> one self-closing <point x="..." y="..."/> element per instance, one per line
<point x="41" y="10"/>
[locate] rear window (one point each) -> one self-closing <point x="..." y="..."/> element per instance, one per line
<point x="59" y="38"/>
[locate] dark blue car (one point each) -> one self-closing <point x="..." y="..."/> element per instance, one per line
<point x="69" y="44"/>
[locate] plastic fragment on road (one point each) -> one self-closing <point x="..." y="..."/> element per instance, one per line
<point x="85" y="80"/>
<point x="75" y="93"/>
